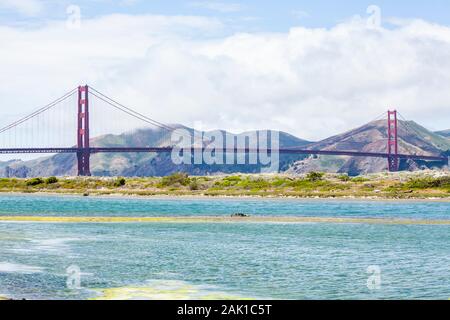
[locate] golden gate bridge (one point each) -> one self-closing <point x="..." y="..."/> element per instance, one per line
<point x="84" y="95"/>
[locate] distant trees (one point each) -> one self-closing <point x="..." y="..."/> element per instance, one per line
<point x="181" y="178"/>
<point x="51" y="180"/>
<point x="38" y="181"/>
<point x="34" y="182"/>
<point x="120" y="182"/>
<point x="314" y="176"/>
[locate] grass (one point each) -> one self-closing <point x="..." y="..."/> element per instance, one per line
<point x="313" y="185"/>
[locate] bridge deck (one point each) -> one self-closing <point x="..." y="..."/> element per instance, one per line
<point x="170" y="149"/>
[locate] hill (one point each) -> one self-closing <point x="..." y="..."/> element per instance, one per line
<point x="138" y="164"/>
<point x="372" y="137"/>
<point x="444" y="133"/>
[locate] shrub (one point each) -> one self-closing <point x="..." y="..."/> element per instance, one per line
<point x="230" y="181"/>
<point x="344" y="178"/>
<point x="35" y="182"/>
<point x="233" y="178"/>
<point x="314" y="176"/>
<point x="120" y="182"/>
<point x="251" y="183"/>
<point x="300" y="183"/>
<point x="176" y="178"/>
<point x="360" y="180"/>
<point x="51" y="180"/>
<point x="194" y="185"/>
<point x="426" y="183"/>
<point x="279" y="182"/>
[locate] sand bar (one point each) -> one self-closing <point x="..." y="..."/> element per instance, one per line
<point x="223" y="219"/>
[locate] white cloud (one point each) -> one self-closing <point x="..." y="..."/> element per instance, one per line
<point x="217" y="6"/>
<point x="309" y="82"/>
<point x="24" y="7"/>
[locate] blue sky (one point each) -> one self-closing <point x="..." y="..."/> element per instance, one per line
<point x="248" y="15"/>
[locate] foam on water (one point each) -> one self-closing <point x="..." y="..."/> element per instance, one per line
<point x="8" y="267"/>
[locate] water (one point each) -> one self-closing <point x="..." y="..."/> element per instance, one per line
<point x="217" y="260"/>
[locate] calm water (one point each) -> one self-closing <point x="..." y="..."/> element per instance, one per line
<point x="267" y="260"/>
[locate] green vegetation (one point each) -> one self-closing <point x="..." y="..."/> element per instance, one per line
<point x="312" y="185"/>
<point x="120" y="182"/>
<point x="428" y="182"/>
<point x="360" y="179"/>
<point x="176" y="179"/>
<point x="314" y="176"/>
<point x="51" y="180"/>
<point x="35" y="182"/>
<point x="344" y="178"/>
<point x="194" y="185"/>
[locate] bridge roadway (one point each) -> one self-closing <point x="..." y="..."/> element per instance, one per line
<point x="94" y="150"/>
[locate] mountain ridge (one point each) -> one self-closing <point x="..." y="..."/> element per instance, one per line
<point x="444" y="133"/>
<point x="371" y="137"/>
<point x="139" y="164"/>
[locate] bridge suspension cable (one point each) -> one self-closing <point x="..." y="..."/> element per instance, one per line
<point x="406" y="124"/>
<point x="39" y="111"/>
<point x="129" y="111"/>
<point x="138" y="115"/>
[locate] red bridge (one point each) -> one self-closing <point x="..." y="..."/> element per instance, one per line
<point x="83" y="149"/>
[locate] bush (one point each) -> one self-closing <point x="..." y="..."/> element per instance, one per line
<point x="426" y="183"/>
<point x="120" y="182"/>
<point x="251" y="183"/>
<point x="233" y="179"/>
<point x="51" y="180"/>
<point x="194" y="185"/>
<point x="34" y="182"/>
<point x="314" y="176"/>
<point x="360" y="180"/>
<point x="344" y="178"/>
<point x="176" y="178"/>
<point x="279" y="182"/>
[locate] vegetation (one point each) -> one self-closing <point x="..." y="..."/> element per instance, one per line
<point x="312" y="185"/>
<point x="176" y="179"/>
<point x="314" y="176"/>
<point x="35" y="182"/>
<point x="428" y="183"/>
<point x="51" y="180"/>
<point x="344" y="178"/>
<point x="120" y="182"/>
<point x="194" y="185"/>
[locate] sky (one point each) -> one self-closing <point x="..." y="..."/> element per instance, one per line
<point x="253" y="15"/>
<point x="310" y="68"/>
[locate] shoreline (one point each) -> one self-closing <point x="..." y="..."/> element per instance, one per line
<point x="225" y="197"/>
<point x="424" y="186"/>
<point x="223" y="220"/>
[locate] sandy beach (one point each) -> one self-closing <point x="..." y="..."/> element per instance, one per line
<point x="187" y="220"/>
<point x="226" y="197"/>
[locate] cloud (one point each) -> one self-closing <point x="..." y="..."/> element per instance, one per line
<point x="23" y="7"/>
<point x="217" y="6"/>
<point x="309" y="82"/>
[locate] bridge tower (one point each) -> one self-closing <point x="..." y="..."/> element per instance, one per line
<point x="393" y="160"/>
<point x="83" y="153"/>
